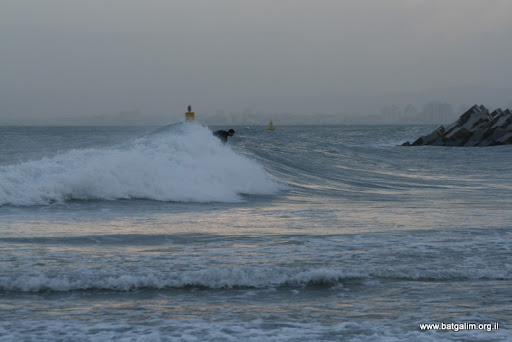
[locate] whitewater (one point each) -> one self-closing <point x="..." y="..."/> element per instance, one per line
<point x="178" y="163"/>
<point x="305" y="233"/>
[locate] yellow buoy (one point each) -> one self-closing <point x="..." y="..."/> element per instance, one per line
<point x="190" y="115"/>
<point x="271" y="126"/>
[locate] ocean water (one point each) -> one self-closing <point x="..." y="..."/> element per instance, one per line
<point x="305" y="233"/>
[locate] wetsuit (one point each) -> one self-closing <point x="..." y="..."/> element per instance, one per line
<point x="222" y="135"/>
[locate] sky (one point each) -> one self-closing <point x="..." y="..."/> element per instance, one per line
<point x="75" y="59"/>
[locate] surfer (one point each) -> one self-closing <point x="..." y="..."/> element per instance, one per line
<point x="223" y="135"/>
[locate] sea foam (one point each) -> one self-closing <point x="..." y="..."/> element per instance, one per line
<point x="225" y="277"/>
<point x="180" y="162"/>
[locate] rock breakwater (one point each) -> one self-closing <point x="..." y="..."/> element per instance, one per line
<point x="476" y="127"/>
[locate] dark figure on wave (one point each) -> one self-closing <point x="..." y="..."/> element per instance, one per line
<point x="223" y="135"/>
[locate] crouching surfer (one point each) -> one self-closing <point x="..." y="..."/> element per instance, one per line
<point x="223" y="135"/>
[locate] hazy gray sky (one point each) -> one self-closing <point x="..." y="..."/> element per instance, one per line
<point x="75" y="58"/>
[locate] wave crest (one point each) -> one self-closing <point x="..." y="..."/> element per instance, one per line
<point x="225" y="277"/>
<point x="180" y="162"/>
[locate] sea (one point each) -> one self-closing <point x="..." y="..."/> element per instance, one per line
<point x="303" y="233"/>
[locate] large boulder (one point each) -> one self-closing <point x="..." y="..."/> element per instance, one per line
<point x="476" y="127"/>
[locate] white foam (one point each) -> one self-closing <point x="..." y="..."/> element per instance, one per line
<point x="224" y="277"/>
<point x="182" y="162"/>
<point x="195" y="329"/>
<point x="214" y="277"/>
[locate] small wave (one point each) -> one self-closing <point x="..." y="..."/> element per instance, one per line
<point x="228" y="277"/>
<point x="214" y="278"/>
<point x="180" y="162"/>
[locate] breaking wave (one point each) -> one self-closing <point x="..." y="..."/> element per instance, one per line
<point x="227" y="277"/>
<point x="180" y="162"/>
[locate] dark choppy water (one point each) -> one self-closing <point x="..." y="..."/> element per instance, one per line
<point x="300" y="234"/>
